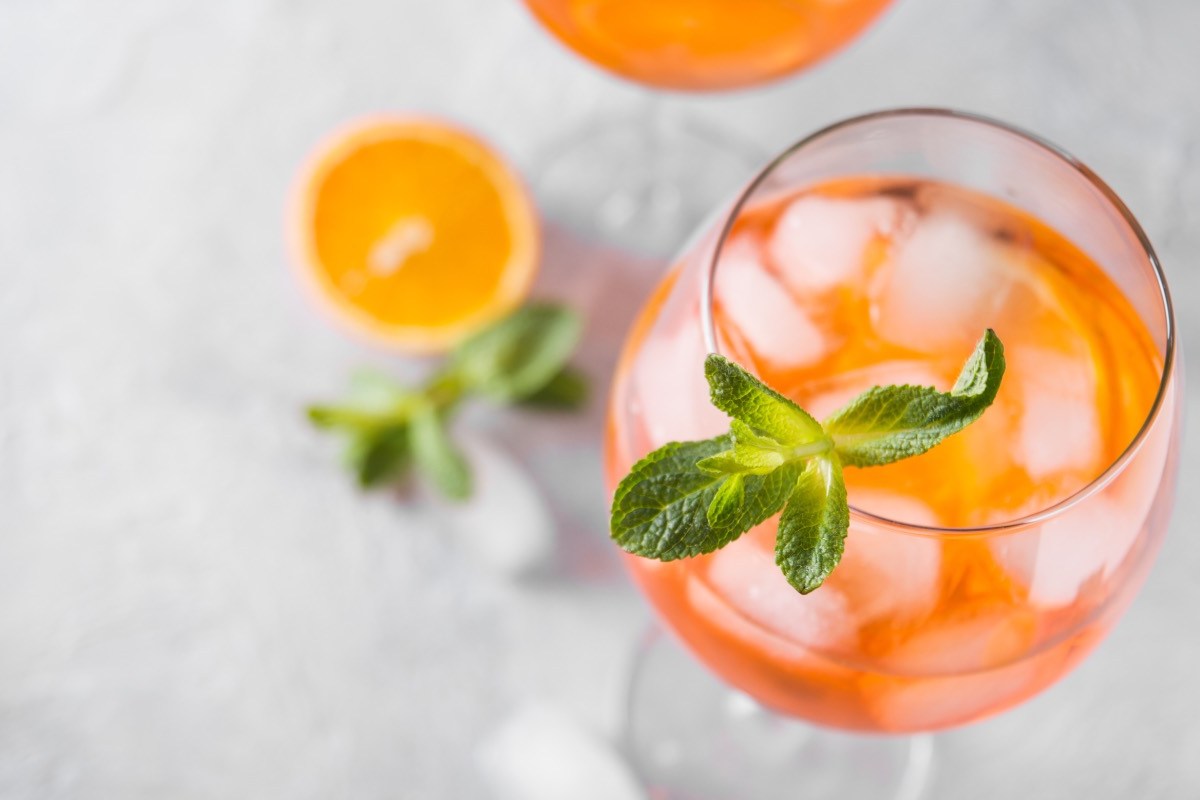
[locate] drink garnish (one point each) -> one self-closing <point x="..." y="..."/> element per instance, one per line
<point x="390" y="207"/>
<point x="689" y="498"/>
<point x="389" y="428"/>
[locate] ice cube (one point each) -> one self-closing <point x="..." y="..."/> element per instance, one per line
<point x="505" y="523"/>
<point x="1059" y="427"/>
<point x="821" y="242"/>
<point x="669" y="390"/>
<point x="898" y="508"/>
<point x="907" y="704"/>
<point x="1070" y="552"/>
<point x="969" y="642"/>
<point x="761" y="311"/>
<point x="1064" y="556"/>
<point x="1091" y="539"/>
<point x="745" y="576"/>
<point x="946" y="282"/>
<point x="885" y="573"/>
<point x="540" y="753"/>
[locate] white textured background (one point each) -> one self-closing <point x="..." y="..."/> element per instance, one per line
<point x="194" y="602"/>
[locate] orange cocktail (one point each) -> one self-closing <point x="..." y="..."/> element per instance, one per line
<point x="705" y="44"/>
<point x="977" y="574"/>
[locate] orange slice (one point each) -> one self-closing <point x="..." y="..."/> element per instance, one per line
<point x="414" y="232"/>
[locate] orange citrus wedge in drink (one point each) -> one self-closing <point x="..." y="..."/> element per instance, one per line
<point x="414" y="232"/>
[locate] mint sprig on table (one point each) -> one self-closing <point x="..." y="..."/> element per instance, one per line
<point x="389" y="428"/>
<point x="689" y="498"/>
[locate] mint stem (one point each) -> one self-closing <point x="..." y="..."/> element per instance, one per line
<point x="811" y="449"/>
<point x="445" y="390"/>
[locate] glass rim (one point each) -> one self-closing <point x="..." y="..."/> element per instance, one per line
<point x="708" y="324"/>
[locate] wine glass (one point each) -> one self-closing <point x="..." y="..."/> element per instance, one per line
<point x="645" y="181"/>
<point x="975" y="576"/>
<point x="705" y="45"/>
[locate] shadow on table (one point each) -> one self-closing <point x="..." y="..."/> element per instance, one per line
<point x="563" y="452"/>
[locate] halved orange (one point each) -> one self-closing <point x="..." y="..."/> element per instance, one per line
<point x="414" y="232"/>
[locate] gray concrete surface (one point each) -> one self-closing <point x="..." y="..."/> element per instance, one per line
<point x="194" y="602"/>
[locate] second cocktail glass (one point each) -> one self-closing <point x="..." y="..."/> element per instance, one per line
<point x="705" y="45"/>
<point x="974" y="576"/>
<point x="645" y="181"/>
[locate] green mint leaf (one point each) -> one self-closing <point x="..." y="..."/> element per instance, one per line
<point x="379" y="457"/>
<point x="744" y="434"/>
<point x="813" y="526"/>
<point x="727" y="503"/>
<point x="743" y="458"/>
<point x="518" y="356"/>
<point x="722" y="463"/>
<point x="747" y="399"/>
<point x="566" y="391"/>
<point x="888" y="423"/>
<point x="668" y="508"/>
<point x="339" y="418"/>
<point x="761" y="498"/>
<point x="372" y="400"/>
<point x="436" y="456"/>
<point x="375" y="392"/>
<point x="660" y="509"/>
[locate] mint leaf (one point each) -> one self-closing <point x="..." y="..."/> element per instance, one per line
<point x="743" y="459"/>
<point x="379" y="457"/>
<point x="813" y="526"/>
<point x="375" y="392"/>
<point x="758" y="454"/>
<point x="660" y="509"/>
<point x="668" y="508"/>
<point x="745" y="435"/>
<point x="727" y="503"/>
<point x="436" y="456"/>
<point x="518" y="356"/>
<point x="566" y="391"/>
<point x="372" y="400"/>
<point x="747" y="399"/>
<point x="373" y="419"/>
<point x="888" y="423"/>
<point x="761" y="498"/>
<point x="340" y="418"/>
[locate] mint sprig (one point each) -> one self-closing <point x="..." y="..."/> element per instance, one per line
<point x="520" y="360"/>
<point x="689" y="498"/>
